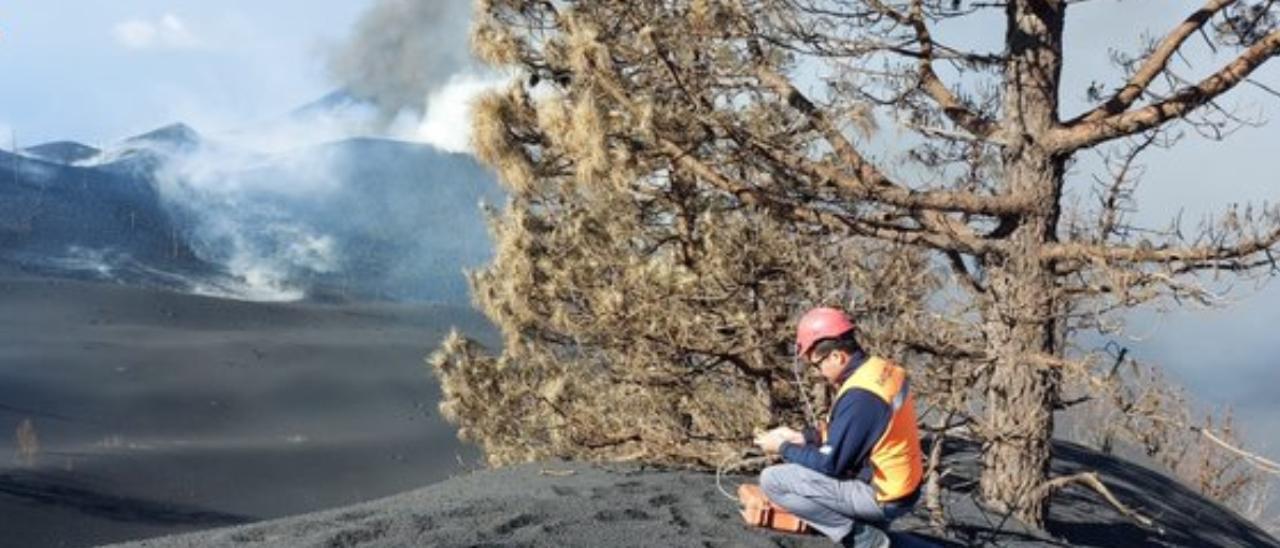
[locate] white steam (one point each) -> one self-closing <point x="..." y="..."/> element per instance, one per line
<point x="318" y="124"/>
<point x="412" y="60"/>
<point x="233" y="200"/>
<point x="446" y="122"/>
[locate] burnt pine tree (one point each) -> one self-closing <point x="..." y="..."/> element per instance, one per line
<point x="677" y="196"/>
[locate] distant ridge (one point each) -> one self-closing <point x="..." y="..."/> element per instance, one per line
<point x="62" y="152"/>
<point x="178" y="134"/>
<point x="334" y="101"/>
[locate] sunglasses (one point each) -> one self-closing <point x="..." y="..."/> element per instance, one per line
<point x="810" y="361"/>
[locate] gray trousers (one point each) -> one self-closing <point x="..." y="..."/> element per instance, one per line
<point x="830" y="505"/>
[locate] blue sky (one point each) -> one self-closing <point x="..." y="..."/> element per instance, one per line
<point x="97" y="71"/>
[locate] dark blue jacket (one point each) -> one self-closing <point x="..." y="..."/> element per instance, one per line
<point x="859" y="421"/>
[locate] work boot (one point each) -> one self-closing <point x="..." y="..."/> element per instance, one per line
<point x="865" y="536"/>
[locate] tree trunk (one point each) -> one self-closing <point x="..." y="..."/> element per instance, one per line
<point x="1020" y="321"/>
<point x="1020" y="394"/>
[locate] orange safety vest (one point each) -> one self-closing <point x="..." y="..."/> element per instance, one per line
<point x="897" y="463"/>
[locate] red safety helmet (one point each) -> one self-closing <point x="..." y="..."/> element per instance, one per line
<point x="819" y="324"/>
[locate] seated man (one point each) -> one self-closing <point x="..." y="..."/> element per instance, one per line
<point x="866" y="469"/>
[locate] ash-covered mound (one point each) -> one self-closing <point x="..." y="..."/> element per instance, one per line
<point x="89" y="223"/>
<point x="575" y="504"/>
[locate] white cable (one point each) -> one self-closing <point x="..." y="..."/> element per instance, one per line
<point x="720" y="472"/>
<point x="748" y="456"/>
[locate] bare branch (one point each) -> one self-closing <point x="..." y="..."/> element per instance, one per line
<point x="959" y="113"/>
<point x="1186" y="258"/>
<point x="931" y="131"/>
<point x="870" y="182"/>
<point x="1154" y="64"/>
<point x="962" y="273"/>
<point x="1120" y="191"/>
<point x="1262" y="463"/>
<point x="789" y="209"/>
<point x="1091" y="480"/>
<point x="1090" y="133"/>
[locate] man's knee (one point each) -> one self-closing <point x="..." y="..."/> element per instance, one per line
<point x="772" y="481"/>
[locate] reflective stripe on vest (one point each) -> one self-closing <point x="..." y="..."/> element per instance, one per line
<point x="897" y="461"/>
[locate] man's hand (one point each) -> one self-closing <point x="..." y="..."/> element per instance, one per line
<point x="770" y="442"/>
<point x="790" y="436"/>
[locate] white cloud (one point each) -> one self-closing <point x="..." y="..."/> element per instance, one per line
<point x="167" y="32"/>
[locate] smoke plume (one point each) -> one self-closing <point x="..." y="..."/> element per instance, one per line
<point x="412" y="60"/>
<point x="402" y="51"/>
